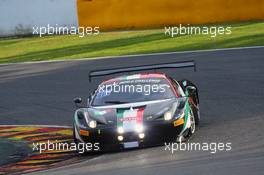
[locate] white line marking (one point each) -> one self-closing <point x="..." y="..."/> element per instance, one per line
<point x="136" y="55"/>
<point x="42" y="126"/>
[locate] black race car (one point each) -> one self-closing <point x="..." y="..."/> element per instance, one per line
<point x="139" y="109"/>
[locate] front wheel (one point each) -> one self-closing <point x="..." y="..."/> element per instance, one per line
<point x="186" y="135"/>
<point x="75" y="140"/>
<point x="193" y="123"/>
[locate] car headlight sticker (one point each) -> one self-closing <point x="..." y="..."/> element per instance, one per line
<point x="168" y="115"/>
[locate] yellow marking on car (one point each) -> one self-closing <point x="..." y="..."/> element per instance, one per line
<point x="178" y="122"/>
<point x="84" y="133"/>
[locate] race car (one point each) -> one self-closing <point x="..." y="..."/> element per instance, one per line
<point x="139" y="109"/>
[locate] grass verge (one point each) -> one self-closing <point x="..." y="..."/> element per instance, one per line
<point x="124" y="43"/>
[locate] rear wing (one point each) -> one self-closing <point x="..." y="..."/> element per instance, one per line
<point x="104" y="72"/>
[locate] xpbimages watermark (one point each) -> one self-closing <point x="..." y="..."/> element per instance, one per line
<point x="212" y="31"/>
<point x="64" y="30"/>
<point x="64" y="146"/>
<point x="188" y="146"/>
<point x="145" y="89"/>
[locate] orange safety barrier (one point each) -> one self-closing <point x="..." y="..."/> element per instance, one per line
<point x="127" y="14"/>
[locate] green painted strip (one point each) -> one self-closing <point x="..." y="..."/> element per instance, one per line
<point x="120" y="115"/>
<point x="187" y="109"/>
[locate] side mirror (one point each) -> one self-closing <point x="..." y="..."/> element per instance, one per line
<point x="190" y="89"/>
<point x="77" y="101"/>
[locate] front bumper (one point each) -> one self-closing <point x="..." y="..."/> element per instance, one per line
<point x="155" y="132"/>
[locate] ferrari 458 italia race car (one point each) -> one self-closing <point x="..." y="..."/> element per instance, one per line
<point x="138" y="109"/>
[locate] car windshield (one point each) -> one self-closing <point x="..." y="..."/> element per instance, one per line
<point x="134" y="90"/>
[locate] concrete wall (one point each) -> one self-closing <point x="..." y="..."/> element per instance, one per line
<point x="19" y="16"/>
<point x="119" y="14"/>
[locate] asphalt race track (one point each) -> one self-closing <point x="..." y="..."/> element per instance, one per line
<point x="231" y="87"/>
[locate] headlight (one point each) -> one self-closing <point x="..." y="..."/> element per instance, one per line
<point x="168" y="115"/>
<point x="139" y="128"/>
<point x="120" y="130"/>
<point x="120" y="138"/>
<point x="141" y="135"/>
<point x="92" y="124"/>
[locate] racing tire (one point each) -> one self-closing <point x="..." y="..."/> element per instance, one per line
<point x="75" y="140"/>
<point x="196" y="113"/>
<point x="186" y="135"/>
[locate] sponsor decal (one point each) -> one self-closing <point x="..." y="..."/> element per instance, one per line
<point x="129" y="118"/>
<point x="137" y="76"/>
